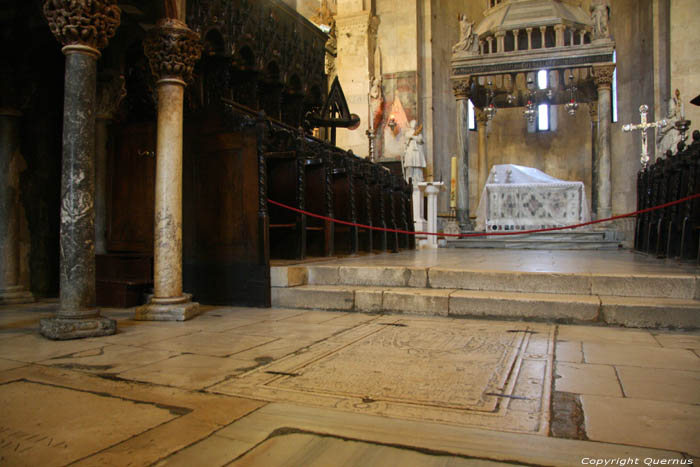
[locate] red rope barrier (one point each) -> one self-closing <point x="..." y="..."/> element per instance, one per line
<point x="485" y="234"/>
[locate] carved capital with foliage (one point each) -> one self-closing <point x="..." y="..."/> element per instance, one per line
<point x="462" y="88"/>
<point x="603" y="75"/>
<point x="89" y="23"/>
<point x="172" y="50"/>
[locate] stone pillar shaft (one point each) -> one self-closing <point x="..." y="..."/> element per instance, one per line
<point x="603" y="79"/>
<point x="11" y="291"/>
<point x="559" y="30"/>
<point x="101" y="138"/>
<point x="543" y="30"/>
<point x="529" y="38"/>
<point x="516" y="33"/>
<point x="83" y="28"/>
<point x="500" y="41"/>
<point x="461" y="89"/>
<point x="593" y="112"/>
<point x="172" y="50"/>
<point x="481" y="122"/>
<point x="167" y="261"/>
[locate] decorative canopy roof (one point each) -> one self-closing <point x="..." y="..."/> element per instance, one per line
<point x="522" y="14"/>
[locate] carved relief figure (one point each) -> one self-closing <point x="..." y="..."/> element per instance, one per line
<point x="666" y="138"/>
<point x="414" y="157"/>
<point x="466" y="36"/>
<point x="600" y="13"/>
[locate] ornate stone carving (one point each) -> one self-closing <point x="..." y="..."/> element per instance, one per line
<point x="603" y="75"/>
<point x="461" y="88"/>
<point x="467" y="41"/>
<point x="110" y="92"/>
<point x="480" y="116"/>
<point x="172" y="50"/>
<point x="83" y="22"/>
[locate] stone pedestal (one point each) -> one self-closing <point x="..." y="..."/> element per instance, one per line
<point x="11" y="291"/>
<point x="83" y="29"/>
<point x="431" y="190"/>
<point x="603" y="75"/>
<point x="172" y="50"/>
<point x="419" y="222"/>
<point x="462" y="90"/>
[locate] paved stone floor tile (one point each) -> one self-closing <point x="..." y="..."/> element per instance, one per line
<point x="678" y="340"/>
<point x="214" y="344"/>
<point x="586" y="379"/>
<point x="569" y="352"/>
<point x="641" y="422"/>
<point x="189" y="371"/>
<point x="634" y="355"/>
<point x="660" y="384"/>
<point x="35" y="348"/>
<point x="605" y="334"/>
<point x="316" y="317"/>
<point x="9" y="364"/>
<point x="110" y="359"/>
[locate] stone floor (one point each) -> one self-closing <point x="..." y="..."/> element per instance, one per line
<point x="242" y="386"/>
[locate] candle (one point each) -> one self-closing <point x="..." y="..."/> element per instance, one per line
<point x="453" y="184"/>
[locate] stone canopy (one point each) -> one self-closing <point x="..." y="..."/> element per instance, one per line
<point x="521" y="14"/>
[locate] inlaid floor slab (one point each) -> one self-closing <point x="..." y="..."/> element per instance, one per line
<point x="462" y="372"/>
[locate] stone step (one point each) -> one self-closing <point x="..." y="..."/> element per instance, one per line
<point x="544" y="244"/>
<point x="568" y="308"/>
<point x="679" y="286"/>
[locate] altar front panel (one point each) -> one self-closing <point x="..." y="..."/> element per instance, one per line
<point x="531" y="206"/>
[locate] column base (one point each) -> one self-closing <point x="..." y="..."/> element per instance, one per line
<point x="604" y="213"/>
<point x="15" y="295"/>
<point x="168" y="309"/>
<point x="76" y="328"/>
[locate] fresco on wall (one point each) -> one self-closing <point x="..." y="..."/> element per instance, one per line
<point x="399" y="101"/>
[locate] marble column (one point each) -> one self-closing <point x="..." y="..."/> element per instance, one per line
<point x="110" y="92"/>
<point x="462" y="91"/>
<point x="490" y="41"/>
<point x="559" y="30"/>
<point x="543" y="31"/>
<point x="11" y="291"/>
<point x="516" y="33"/>
<point x="172" y="50"/>
<point x="500" y="41"/>
<point x="602" y="74"/>
<point x="529" y="38"/>
<point x="481" y="121"/>
<point x="593" y="112"/>
<point x="83" y="28"/>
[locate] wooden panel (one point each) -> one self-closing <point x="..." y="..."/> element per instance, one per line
<point x="132" y="171"/>
<point x="225" y="250"/>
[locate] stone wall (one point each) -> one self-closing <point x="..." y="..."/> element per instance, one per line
<point x="685" y="60"/>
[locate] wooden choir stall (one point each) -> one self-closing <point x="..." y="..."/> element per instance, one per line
<point x="258" y="93"/>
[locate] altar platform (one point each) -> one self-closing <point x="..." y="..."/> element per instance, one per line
<point x="598" y="287"/>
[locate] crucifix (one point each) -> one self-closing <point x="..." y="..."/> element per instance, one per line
<point x="644" y="127"/>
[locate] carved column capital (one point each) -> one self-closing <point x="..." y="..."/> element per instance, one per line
<point x="111" y="90"/>
<point x="88" y="24"/>
<point x="603" y="75"/>
<point x="172" y="50"/>
<point x="462" y="88"/>
<point x="480" y="116"/>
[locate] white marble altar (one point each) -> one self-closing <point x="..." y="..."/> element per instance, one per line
<point x="524" y="198"/>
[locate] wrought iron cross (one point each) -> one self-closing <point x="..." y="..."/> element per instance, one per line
<point x="644" y="127"/>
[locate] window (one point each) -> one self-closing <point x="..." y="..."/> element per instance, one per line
<point x="472" y="116"/>
<point x="614" y="89"/>
<point x="542" y="109"/>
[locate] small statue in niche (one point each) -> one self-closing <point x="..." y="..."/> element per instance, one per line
<point x="466" y="36"/>
<point x="600" y="14"/>
<point x="414" y="157"/>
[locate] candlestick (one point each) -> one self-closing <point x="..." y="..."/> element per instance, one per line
<point x="453" y="184"/>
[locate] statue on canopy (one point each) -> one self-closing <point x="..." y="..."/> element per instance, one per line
<point x="466" y="36"/>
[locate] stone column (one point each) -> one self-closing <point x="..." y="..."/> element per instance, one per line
<point x="516" y="33"/>
<point x="529" y="38"/>
<point x="110" y="92"/>
<point x="593" y="112"/>
<point x="582" y="36"/>
<point x="11" y="291"/>
<point x="172" y="50"/>
<point x="431" y="191"/>
<point x="490" y="41"/>
<point x="559" y="30"/>
<point x="481" y="121"/>
<point x="83" y="28"/>
<point x="481" y="47"/>
<point x="501" y="41"/>
<point x="602" y="75"/>
<point x="543" y="30"/>
<point x="462" y="91"/>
